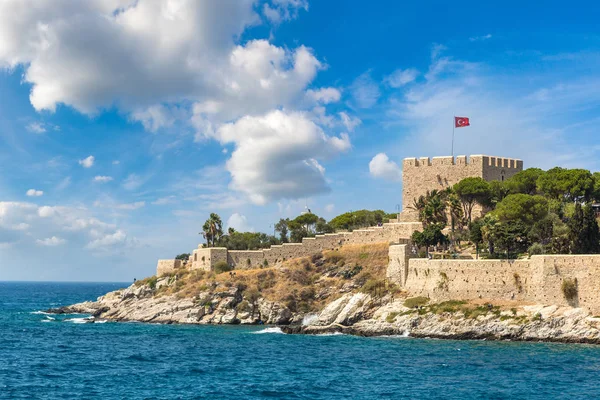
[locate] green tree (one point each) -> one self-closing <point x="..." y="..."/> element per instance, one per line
<point x="360" y="219"/>
<point x="430" y="236"/>
<point x="431" y="208"/>
<point x="282" y="228"/>
<point x="471" y="191"/>
<point x="585" y="234"/>
<point x="476" y="234"/>
<point x="510" y="237"/>
<point x="566" y="184"/>
<point x="596" y="191"/>
<point x="524" y="182"/>
<point x="498" y="191"/>
<point x="524" y="208"/>
<point x="182" y="256"/>
<point x="212" y="230"/>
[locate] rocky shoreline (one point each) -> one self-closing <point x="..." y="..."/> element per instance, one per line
<point x="352" y="313"/>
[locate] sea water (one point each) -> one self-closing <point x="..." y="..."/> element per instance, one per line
<point x="62" y="357"/>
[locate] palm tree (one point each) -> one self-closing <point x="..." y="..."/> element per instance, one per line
<point x="212" y="230"/>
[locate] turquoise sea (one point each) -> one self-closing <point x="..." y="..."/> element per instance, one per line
<point x="56" y="357"/>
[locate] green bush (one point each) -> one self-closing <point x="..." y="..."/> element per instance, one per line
<point x="569" y="288"/>
<point x="152" y="282"/>
<point x="535" y="249"/>
<point x="222" y="266"/>
<point x="374" y="287"/>
<point x="416" y="302"/>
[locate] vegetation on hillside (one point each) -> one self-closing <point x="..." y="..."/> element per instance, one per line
<point x="533" y="212"/>
<point x="302" y="284"/>
<point x="289" y="230"/>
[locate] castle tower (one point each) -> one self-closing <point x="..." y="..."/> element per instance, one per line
<point x="420" y="175"/>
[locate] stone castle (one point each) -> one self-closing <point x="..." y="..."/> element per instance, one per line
<point x="538" y="279"/>
<point x="419" y="175"/>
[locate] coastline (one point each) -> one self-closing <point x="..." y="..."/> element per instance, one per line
<point x="357" y="314"/>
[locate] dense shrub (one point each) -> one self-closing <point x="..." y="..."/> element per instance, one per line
<point x="569" y="288"/>
<point x="222" y="266"/>
<point x="416" y="302"/>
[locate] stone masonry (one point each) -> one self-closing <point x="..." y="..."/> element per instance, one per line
<point x="537" y="279"/>
<point x="420" y="175"/>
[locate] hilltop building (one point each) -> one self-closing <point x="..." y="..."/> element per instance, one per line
<point x="419" y="175"/>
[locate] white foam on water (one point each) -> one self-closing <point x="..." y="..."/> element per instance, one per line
<point x="78" y="320"/>
<point x="330" y="334"/>
<point x="49" y="318"/>
<point x="46" y="320"/>
<point x="404" y="334"/>
<point x="269" y="330"/>
<point x="309" y="319"/>
<point x="100" y="322"/>
<point x="40" y="312"/>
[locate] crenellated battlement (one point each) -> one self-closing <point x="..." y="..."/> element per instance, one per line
<point x="482" y="160"/>
<point x="423" y="174"/>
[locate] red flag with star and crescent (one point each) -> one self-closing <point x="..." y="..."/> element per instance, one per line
<point x="460" y="122"/>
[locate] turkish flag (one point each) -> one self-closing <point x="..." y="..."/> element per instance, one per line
<point x="459" y="122"/>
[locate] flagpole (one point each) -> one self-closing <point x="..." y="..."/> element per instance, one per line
<point x="453" y="126"/>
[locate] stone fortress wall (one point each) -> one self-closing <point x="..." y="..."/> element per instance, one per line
<point x="538" y="279"/>
<point x="422" y="174"/>
<point x="206" y="258"/>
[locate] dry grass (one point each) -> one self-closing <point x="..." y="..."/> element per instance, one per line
<point x="302" y="284"/>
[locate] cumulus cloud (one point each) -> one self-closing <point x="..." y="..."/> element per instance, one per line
<point x="51" y="241"/>
<point x="149" y="56"/>
<point x="87" y="162"/>
<point x="277" y="155"/>
<point x="102" y="178"/>
<point x="402" y="77"/>
<point x="109" y="240"/>
<point x="382" y="167"/>
<point x="59" y="225"/>
<point x="239" y="222"/>
<point x="34" y="193"/>
<point x="324" y="95"/>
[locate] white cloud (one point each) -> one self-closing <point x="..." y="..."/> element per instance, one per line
<point x="324" y="95"/>
<point x="164" y="200"/>
<point x="34" y="193"/>
<point x="58" y="225"/>
<point x="239" y="222"/>
<point x="329" y="208"/>
<point x="283" y="10"/>
<point x="350" y="123"/>
<point x="109" y="240"/>
<point x="51" y="241"/>
<point x="149" y="58"/>
<point x="87" y="162"/>
<point x="365" y="91"/>
<point x="120" y="206"/>
<point x="504" y="111"/>
<point x="133" y="181"/>
<point x="63" y="184"/>
<point x="402" y="77"/>
<point x="276" y="155"/>
<point x="480" y="38"/>
<point x="36" y="127"/>
<point x="102" y="178"/>
<point x="116" y="162"/>
<point x="382" y="167"/>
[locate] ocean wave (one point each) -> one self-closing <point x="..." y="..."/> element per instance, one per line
<point x="330" y="334"/>
<point x="79" y="320"/>
<point x="309" y="319"/>
<point x="40" y="312"/>
<point x="269" y="330"/>
<point x="48" y="318"/>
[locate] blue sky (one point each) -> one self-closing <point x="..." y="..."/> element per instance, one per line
<point x="125" y="123"/>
